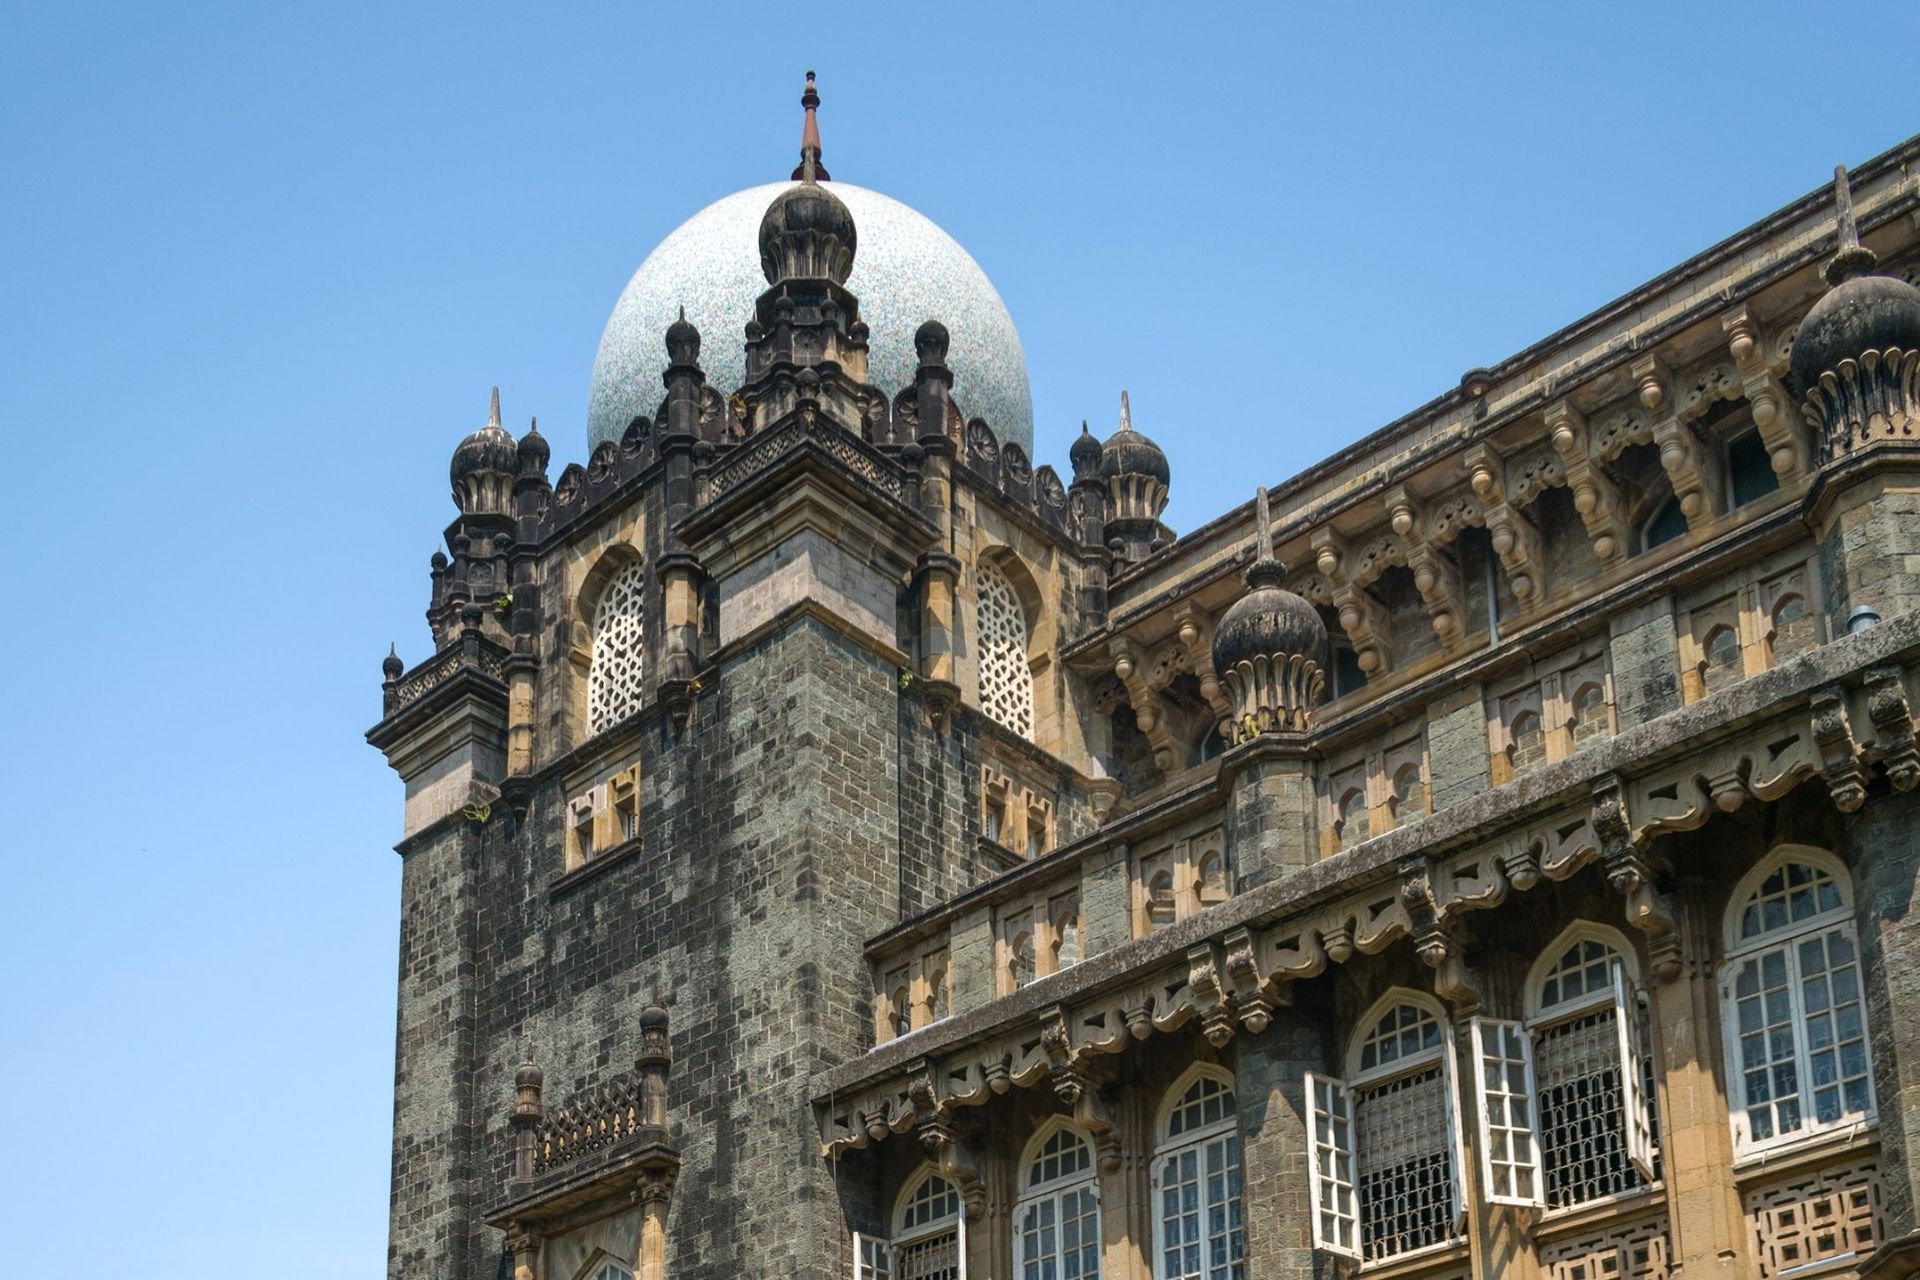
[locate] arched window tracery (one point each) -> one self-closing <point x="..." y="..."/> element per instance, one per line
<point x="1003" y="634"/>
<point x="616" y="673"/>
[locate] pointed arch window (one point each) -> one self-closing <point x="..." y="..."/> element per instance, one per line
<point x="612" y="1271"/>
<point x="1385" y="1179"/>
<point x="1798" y="1058"/>
<point x="615" y="688"/>
<point x="1056" y="1233"/>
<point x="1002" y="636"/>
<point x="1199" y="1223"/>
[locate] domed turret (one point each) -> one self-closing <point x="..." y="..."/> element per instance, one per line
<point x="1267" y="645"/>
<point x="534" y="452"/>
<point x="683" y="341"/>
<point x="1085" y="454"/>
<point x="483" y="466"/>
<point x="1128" y="453"/>
<point x="1862" y="312"/>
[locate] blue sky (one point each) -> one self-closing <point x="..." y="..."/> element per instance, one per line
<point x="260" y="265"/>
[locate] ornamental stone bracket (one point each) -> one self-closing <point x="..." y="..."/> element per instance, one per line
<point x="1435" y="575"/>
<point x="1195" y="631"/>
<point x="1692" y="468"/>
<point x="1131" y="668"/>
<point x="940" y="1138"/>
<point x="1516" y="540"/>
<point x="1238" y="979"/>
<point x="1362" y="617"/>
<point x="1595" y="496"/>
<point x="1767" y="397"/>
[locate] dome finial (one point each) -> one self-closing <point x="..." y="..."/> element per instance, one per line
<point x="1126" y="412"/>
<point x="1265" y="571"/>
<point x="1850" y="258"/>
<point x="493" y="413"/>
<point x="810" y="169"/>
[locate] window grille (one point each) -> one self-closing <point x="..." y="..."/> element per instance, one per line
<point x="1006" y="678"/>
<point x="1796" y="1021"/>
<point x="1057" y="1223"/>
<point x="614" y="675"/>
<point x="1201" y="1232"/>
<point x="1635" y="1251"/>
<point x="1404" y="1163"/>
<point x="1828" y="1217"/>
<point x="934" y="1257"/>
<point x="931" y="1234"/>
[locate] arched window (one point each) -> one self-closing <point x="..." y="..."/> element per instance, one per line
<point x="929" y="1236"/>
<point x="1588" y="713"/>
<point x="1798" y="1058"/>
<point x="1162" y="907"/>
<point x="1199" y="1232"/>
<point x="1720" y="664"/>
<point x="614" y="677"/>
<point x="1385" y="1177"/>
<point x="1594" y="1097"/>
<point x="610" y="1270"/>
<point x="1056" y="1225"/>
<point x="1409" y="792"/>
<point x="1527" y="741"/>
<point x="1791" y="629"/>
<point x="1002" y="636"/>
<point x="1351" y="826"/>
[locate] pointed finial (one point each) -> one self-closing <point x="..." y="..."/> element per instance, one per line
<point x="493" y="414"/>
<point x="1851" y="258"/>
<point x="810" y="169"/>
<point x="1265" y="571"/>
<point x="391" y="666"/>
<point x="1126" y="413"/>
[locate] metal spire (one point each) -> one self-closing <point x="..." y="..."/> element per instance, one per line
<point x="493" y="414"/>
<point x="1126" y="413"/>
<point x="810" y="169"/>
<point x="1851" y="258"/>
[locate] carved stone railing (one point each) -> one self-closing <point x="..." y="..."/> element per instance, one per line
<point x="816" y="431"/>
<point x="599" y="1119"/>
<point x="472" y="652"/>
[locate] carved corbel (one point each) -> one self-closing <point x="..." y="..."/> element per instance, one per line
<point x="1362" y="617"/>
<point x="1893" y="725"/>
<point x="1210" y="999"/>
<point x="1625" y="865"/>
<point x="1064" y="1069"/>
<point x="1594" y="495"/>
<point x="1437" y="940"/>
<point x="942" y="1142"/>
<point x="1839" y="753"/>
<point x="523" y="1242"/>
<point x="1092" y="1117"/>
<point x="655" y="1184"/>
<point x="1691" y="467"/>
<point x="1515" y="538"/>
<point x="1767" y="397"/>
<point x="1252" y="996"/>
<point x="1130" y="666"/>
<point x="1196" y="637"/>
<point x="1434" y="573"/>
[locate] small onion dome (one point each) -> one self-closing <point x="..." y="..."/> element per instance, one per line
<point x="534" y="453"/>
<point x="683" y="341"/>
<point x="807" y="234"/>
<point x="390" y="666"/>
<point x="490" y="448"/>
<point x="1128" y="453"/>
<point x="1860" y="313"/>
<point x="1267" y="645"/>
<point x="529" y="1077"/>
<point x="1085" y="453"/>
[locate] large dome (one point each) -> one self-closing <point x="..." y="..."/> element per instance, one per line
<point x="907" y="271"/>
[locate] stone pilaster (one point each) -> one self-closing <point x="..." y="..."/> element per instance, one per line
<point x="1885" y="840"/>
<point x="1271" y="812"/>
<point x="1270" y="1087"/>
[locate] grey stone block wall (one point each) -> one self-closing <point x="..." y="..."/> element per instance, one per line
<point x="1646" y="662"/>
<point x="1457" y="765"/>
<point x="1885" y="843"/>
<point x="1269" y="1084"/>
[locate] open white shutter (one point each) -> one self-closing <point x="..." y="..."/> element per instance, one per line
<point x="872" y="1258"/>
<point x="1456" y="1153"/>
<point x="1503" y="1093"/>
<point x="1336" y="1211"/>
<point x="1638" y="1108"/>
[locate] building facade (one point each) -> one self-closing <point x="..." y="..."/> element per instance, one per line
<point x="837" y="846"/>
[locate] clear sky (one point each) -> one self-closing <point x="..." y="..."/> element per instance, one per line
<point x="259" y="266"/>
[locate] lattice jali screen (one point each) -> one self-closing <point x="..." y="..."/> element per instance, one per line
<point x="936" y="1257"/>
<point x="1581" y="1108"/>
<point x="1830" y="1215"/>
<point x="1405" y="1170"/>
<point x="1006" y="681"/>
<point x="614" y="677"/>
<point x="1633" y="1251"/>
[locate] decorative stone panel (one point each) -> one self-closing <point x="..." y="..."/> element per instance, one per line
<point x="1830" y="1216"/>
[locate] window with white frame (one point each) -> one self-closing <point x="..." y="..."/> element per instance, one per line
<point x="929" y="1236"/>
<point x="1056" y="1224"/>
<point x="1386" y="1179"/>
<point x="1002" y="636"/>
<point x="1798" y="1059"/>
<point x="612" y="1271"/>
<point x="1199" y="1231"/>
<point x="614" y="674"/>
<point x="1593" y="1094"/>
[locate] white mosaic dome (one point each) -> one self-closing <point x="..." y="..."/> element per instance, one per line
<point x="905" y="270"/>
